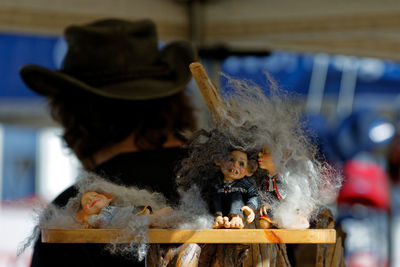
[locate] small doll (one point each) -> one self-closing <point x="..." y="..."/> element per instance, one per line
<point x="235" y="194"/>
<point x="265" y="162"/>
<point x="275" y="190"/>
<point x="96" y="211"/>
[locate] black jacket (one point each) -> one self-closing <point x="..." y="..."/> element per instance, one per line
<point x="153" y="170"/>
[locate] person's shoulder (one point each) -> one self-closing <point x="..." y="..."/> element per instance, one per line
<point x="143" y="157"/>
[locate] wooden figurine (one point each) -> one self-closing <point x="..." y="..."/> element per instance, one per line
<point x="96" y="211"/>
<point x="235" y="194"/>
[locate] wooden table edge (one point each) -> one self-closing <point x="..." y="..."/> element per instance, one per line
<point x="217" y="236"/>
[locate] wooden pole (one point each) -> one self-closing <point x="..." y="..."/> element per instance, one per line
<point x="215" y="103"/>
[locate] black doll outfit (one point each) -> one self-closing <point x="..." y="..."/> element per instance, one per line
<point x="273" y="186"/>
<point x="231" y="196"/>
<point x="274" y="190"/>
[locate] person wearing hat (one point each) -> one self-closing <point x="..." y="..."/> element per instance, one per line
<point x="121" y="102"/>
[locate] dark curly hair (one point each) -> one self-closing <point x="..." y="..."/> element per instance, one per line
<point x="204" y="148"/>
<point x="92" y="122"/>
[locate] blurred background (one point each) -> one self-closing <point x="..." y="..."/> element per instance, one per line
<point x="340" y="59"/>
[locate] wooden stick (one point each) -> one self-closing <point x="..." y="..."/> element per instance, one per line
<point x="232" y="236"/>
<point x="211" y="95"/>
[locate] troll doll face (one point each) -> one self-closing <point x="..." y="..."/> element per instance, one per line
<point x="236" y="167"/>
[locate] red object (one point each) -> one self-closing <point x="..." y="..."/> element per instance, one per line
<point x="363" y="259"/>
<point x="266" y="218"/>
<point x="365" y="183"/>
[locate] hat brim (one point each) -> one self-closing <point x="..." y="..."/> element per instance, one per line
<point x="49" y="82"/>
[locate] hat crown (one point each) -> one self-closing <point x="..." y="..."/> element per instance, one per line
<point x="116" y="59"/>
<point x="110" y="46"/>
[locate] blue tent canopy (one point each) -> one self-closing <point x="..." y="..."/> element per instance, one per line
<point x="291" y="70"/>
<point x="18" y="50"/>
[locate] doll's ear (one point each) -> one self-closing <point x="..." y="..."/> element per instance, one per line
<point x="80" y="215"/>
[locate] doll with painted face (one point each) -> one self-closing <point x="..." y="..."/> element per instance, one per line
<point x="235" y="193"/>
<point x="271" y="186"/>
<point x="275" y="190"/>
<point x="96" y="211"/>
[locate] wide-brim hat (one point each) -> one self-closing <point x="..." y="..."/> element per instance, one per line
<point x="117" y="59"/>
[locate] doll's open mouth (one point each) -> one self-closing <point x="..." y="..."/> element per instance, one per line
<point x="234" y="171"/>
<point x="94" y="202"/>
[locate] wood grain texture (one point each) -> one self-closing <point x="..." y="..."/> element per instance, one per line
<point x="53" y="20"/>
<point x="215" y="103"/>
<point x="216" y="236"/>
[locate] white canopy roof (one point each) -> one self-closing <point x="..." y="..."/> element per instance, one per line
<point x="357" y="27"/>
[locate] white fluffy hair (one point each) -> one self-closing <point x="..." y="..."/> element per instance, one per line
<point x="252" y="120"/>
<point x="54" y="217"/>
<point x="310" y="183"/>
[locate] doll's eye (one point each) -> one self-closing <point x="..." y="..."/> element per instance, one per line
<point x="241" y="163"/>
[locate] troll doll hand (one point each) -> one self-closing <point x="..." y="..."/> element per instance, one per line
<point x="249" y="213"/>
